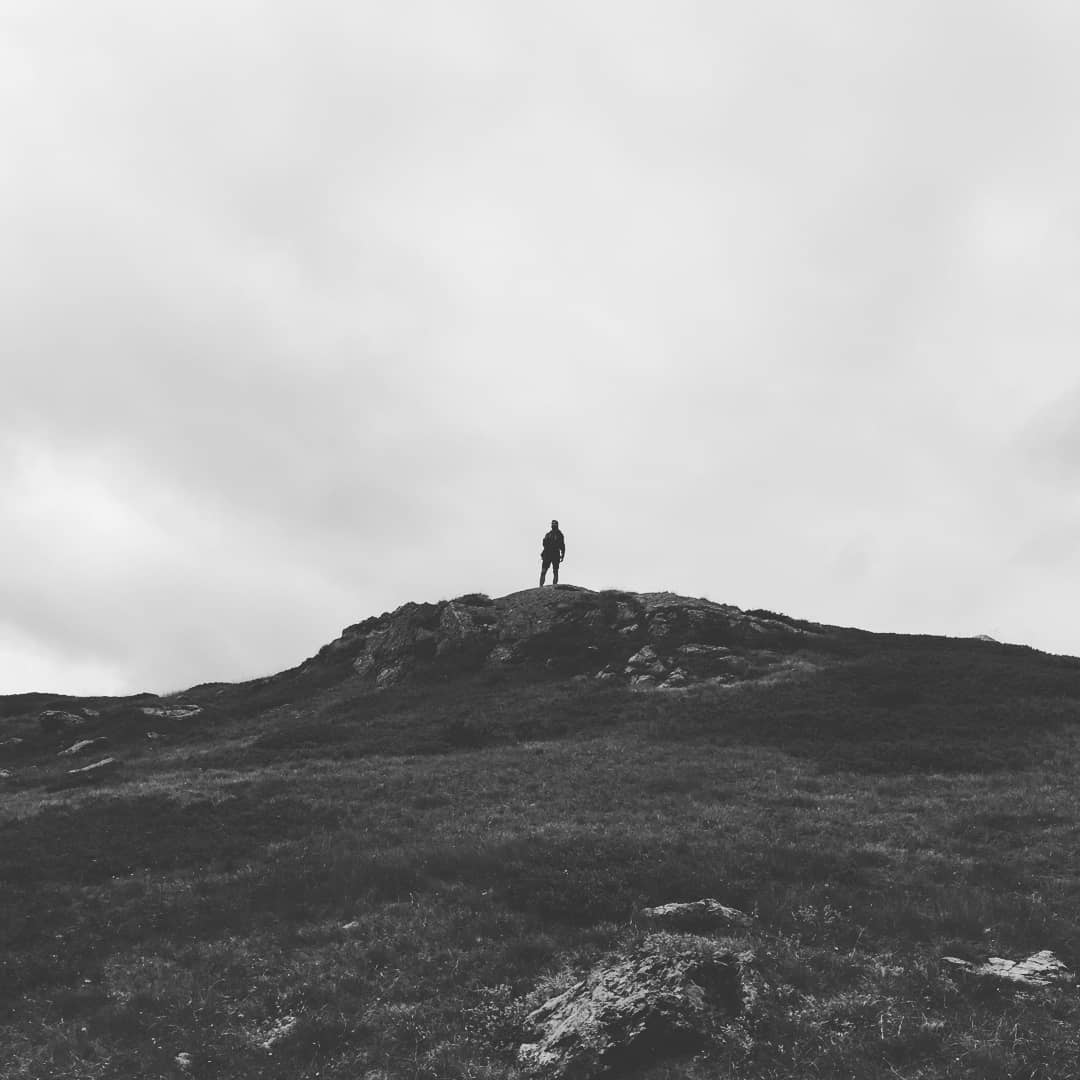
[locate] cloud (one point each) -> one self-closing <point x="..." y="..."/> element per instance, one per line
<point x="316" y="310"/>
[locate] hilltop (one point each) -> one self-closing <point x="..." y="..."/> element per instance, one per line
<point x="461" y="649"/>
<point x="379" y="862"/>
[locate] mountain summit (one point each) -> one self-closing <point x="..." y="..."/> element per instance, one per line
<point x="648" y="639"/>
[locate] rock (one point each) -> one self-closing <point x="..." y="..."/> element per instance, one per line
<point x="84" y="746"/>
<point x="97" y="771"/>
<point x="1038" y="971"/>
<point x="457" y="621"/>
<point x="184" y="1062"/>
<point x="671" y="994"/>
<point x="389" y="676"/>
<point x="703" y="652"/>
<point x="698" y="915"/>
<point x="53" y="720"/>
<point x="5" y="774"/>
<point x="396" y="639"/>
<point x="645" y="662"/>
<point x="281" y="1030"/>
<point x="530" y="620"/>
<point x="172" y="712"/>
<point x="11" y="745"/>
<point x="501" y="654"/>
<point x="576" y="625"/>
<point x="643" y="682"/>
<point x="676" y="680"/>
<point x="154" y="735"/>
<point x="364" y="664"/>
<point x="606" y="672"/>
<point x="670" y="616"/>
<point x="708" y="661"/>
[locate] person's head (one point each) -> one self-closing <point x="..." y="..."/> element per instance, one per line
<point x="554" y="523"/>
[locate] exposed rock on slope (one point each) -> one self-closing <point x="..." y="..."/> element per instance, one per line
<point x="674" y="993"/>
<point x="647" y="639"/>
<point x="697" y="916"/>
<point x="1037" y="972"/>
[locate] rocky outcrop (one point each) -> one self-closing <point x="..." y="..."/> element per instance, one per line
<point x="647" y="640"/>
<point x="673" y="993"/>
<point x="52" y="721"/>
<point x="172" y="712"/>
<point x="1036" y="972"/>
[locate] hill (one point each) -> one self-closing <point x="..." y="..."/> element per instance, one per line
<point x="378" y="862"/>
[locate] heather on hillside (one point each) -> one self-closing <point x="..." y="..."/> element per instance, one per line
<point x="318" y="876"/>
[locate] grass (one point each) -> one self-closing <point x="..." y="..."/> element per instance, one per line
<point x="406" y="873"/>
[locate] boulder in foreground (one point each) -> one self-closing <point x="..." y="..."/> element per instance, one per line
<point x="674" y="993"/>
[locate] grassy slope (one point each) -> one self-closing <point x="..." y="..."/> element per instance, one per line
<point x="402" y="871"/>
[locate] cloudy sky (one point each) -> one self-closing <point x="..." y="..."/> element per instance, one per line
<point x="314" y="309"/>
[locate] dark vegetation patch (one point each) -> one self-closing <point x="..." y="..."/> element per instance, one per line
<point x="307" y="736"/>
<point x="55" y="865"/>
<point x="585" y="879"/>
<point x="898" y="713"/>
<point x="957" y="672"/>
<point x="116" y="836"/>
<point x="1007" y="831"/>
<point x="788" y="620"/>
<point x="296" y="686"/>
<point x="492" y="708"/>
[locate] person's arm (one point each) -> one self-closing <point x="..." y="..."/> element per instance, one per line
<point x="562" y="547"/>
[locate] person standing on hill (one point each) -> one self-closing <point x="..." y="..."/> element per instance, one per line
<point x="553" y="553"/>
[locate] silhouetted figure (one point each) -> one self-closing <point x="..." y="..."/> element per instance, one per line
<point x="553" y="553"/>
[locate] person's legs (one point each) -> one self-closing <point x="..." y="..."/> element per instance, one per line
<point x="544" y="569"/>
<point x="555" y="570"/>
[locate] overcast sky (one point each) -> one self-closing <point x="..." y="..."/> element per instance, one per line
<point x="313" y="309"/>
